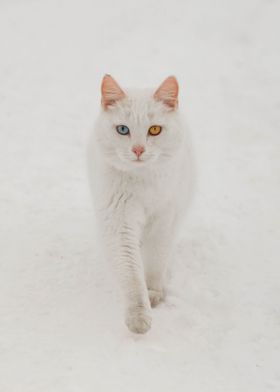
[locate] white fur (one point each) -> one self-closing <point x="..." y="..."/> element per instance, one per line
<point x="139" y="205"/>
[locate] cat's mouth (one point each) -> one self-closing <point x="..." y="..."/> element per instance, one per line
<point x="136" y="162"/>
<point x="141" y="161"/>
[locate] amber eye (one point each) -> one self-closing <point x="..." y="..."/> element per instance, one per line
<point x="155" y="130"/>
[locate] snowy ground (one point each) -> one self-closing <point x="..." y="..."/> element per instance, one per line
<point x="61" y="328"/>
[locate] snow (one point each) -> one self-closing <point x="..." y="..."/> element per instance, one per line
<point x="61" y="325"/>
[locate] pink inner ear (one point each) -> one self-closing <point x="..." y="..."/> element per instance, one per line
<point x="110" y="91"/>
<point x="168" y="92"/>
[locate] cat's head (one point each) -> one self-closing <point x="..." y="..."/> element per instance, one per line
<point x="139" y="128"/>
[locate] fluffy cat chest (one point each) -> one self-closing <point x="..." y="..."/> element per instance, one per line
<point x="154" y="192"/>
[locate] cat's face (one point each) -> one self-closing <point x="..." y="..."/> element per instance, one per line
<point x="139" y="128"/>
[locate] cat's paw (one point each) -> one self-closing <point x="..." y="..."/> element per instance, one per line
<point x="156" y="296"/>
<point x="138" y="320"/>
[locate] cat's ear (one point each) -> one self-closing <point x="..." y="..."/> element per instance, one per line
<point x="168" y="92"/>
<point x="110" y="91"/>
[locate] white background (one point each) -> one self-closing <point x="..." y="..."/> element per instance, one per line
<point x="61" y="326"/>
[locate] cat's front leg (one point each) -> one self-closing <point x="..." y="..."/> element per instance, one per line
<point x="124" y="241"/>
<point x="158" y="245"/>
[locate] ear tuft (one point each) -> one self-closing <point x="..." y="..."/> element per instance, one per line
<point x="110" y="91"/>
<point x="168" y="92"/>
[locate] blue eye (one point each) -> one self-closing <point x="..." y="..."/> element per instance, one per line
<point x="122" y="129"/>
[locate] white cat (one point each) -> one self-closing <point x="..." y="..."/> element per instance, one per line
<point x="141" y="174"/>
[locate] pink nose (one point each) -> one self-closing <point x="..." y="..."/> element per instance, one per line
<point x="138" y="150"/>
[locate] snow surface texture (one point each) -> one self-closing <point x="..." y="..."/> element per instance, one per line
<point x="61" y="326"/>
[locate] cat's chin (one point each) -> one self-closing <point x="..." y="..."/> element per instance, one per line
<point x="136" y="165"/>
<point x="132" y="165"/>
